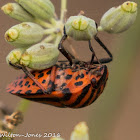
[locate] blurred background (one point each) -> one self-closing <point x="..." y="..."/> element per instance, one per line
<point x="116" y="114"/>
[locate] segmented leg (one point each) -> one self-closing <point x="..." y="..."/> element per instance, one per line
<point x="93" y="54"/>
<point x="29" y="74"/>
<point x="62" y="50"/>
<point x="71" y="55"/>
<point x="103" y="60"/>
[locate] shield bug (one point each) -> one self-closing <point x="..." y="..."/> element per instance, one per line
<point x="62" y="85"/>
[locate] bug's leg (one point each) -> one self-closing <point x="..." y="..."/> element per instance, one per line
<point x="29" y="74"/>
<point x="64" y="61"/>
<point x="75" y="60"/>
<point x="62" y="50"/>
<point x="93" y="53"/>
<point x="103" y="60"/>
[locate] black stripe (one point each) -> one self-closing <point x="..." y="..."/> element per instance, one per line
<point x="99" y="90"/>
<point x="103" y="78"/>
<point x="67" y="94"/>
<point x="94" y="98"/>
<point x="89" y="99"/>
<point x="43" y="99"/>
<point x="28" y="92"/>
<point x="39" y="92"/>
<point x="102" y="81"/>
<point x="81" y="96"/>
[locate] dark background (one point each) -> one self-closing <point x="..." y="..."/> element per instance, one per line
<point x="43" y="118"/>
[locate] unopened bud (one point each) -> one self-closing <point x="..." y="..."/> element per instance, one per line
<point x="56" y="138"/>
<point x="81" y="28"/>
<point x="80" y="132"/>
<point x="117" y="20"/>
<point x="43" y="9"/>
<point x="40" y="56"/>
<point x="24" y="34"/>
<point x="15" y="55"/>
<point x="15" y="11"/>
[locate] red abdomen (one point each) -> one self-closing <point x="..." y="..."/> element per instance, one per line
<point x="72" y="88"/>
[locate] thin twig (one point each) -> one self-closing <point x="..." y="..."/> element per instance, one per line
<point x="49" y="38"/>
<point x="43" y="23"/>
<point x="63" y="10"/>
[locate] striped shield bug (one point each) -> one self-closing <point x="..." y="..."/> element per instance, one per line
<point x="75" y="85"/>
<point x="63" y="85"/>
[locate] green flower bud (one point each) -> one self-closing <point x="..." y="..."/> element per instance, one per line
<point x="80" y="28"/>
<point x="15" y="11"/>
<point x="80" y="132"/>
<point x="40" y="56"/>
<point x="43" y="9"/>
<point x="55" y="138"/>
<point x="117" y="20"/>
<point x="24" y="34"/>
<point x="15" y="55"/>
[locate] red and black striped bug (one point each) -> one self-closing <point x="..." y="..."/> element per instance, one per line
<point x="64" y="85"/>
<point x="73" y="88"/>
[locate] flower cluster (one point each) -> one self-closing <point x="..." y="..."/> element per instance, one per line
<point x="37" y="37"/>
<point x="40" y="21"/>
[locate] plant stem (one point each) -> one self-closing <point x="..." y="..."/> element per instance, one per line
<point x="43" y="23"/>
<point x="49" y="38"/>
<point x="58" y="38"/>
<point x="50" y="31"/>
<point x="53" y="21"/>
<point x="23" y="105"/>
<point x="63" y="9"/>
